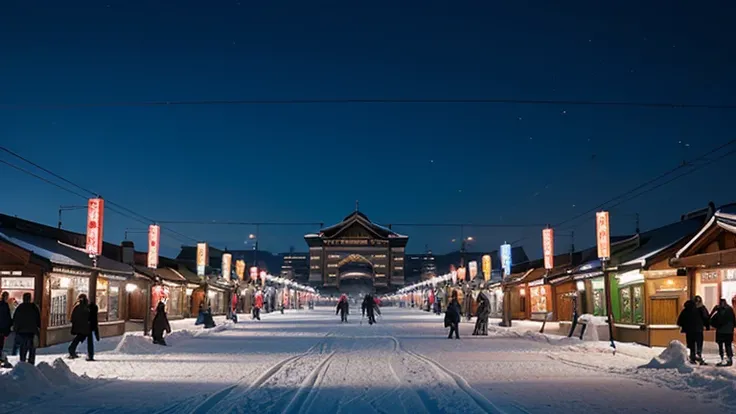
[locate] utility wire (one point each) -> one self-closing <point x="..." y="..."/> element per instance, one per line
<point x="253" y="102"/>
<point x="649" y="182"/>
<point x="141" y="218"/>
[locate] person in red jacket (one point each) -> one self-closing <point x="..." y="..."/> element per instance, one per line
<point x="258" y="305"/>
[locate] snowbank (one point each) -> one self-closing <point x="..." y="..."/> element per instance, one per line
<point x="136" y="343"/>
<point x="675" y="356"/>
<point x="25" y="380"/>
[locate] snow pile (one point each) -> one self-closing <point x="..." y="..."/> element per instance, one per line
<point x="592" y="322"/>
<point x="675" y="356"/>
<point x="136" y="343"/>
<point x="26" y="381"/>
<point x="502" y="332"/>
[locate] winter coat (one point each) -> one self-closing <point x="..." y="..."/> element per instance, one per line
<point x="80" y="319"/>
<point x="693" y="319"/>
<point x="6" y="321"/>
<point x="27" y="319"/>
<point x="368" y="305"/>
<point x="343" y="306"/>
<point x="484" y="306"/>
<point x="452" y="314"/>
<point x="94" y="326"/>
<point x="160" y="322"/>
<point x="259" y="300"/>
<point x="723" y="321"/>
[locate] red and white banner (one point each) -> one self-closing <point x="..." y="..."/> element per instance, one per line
<point x="548" y="247"/>
<point x="154" y="239"/>
<point x="95" y="224"/>
<point x="603" y="235"/>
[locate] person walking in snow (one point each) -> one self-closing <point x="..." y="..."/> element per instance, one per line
<point x="368" y="308"/>
<point x="27" y="324"/>
<point x="484" y="311"/>
<point x="693" y="320"/>
<point x="468" y="302"/>
<point x="258" y="305"/>
<point x="6" y="322"/>
<point x="452" y="316"/>
<point x="80" y="324"/>
<point x="343" y="308"/>
<point x="94" y="331"/>
<point x="160" y="324"/>
<point x="723" y="320"/>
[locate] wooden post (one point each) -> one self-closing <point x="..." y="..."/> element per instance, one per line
<point x="607" y="281"/>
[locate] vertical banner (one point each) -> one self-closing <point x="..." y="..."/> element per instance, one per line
<point x="227" y="261"/>
<point x="253" y="273"/>
<point x="154" y="238"/>
<point x="548" y="247"/>
<point x="95" y="224"/>
<point x="473" y="269"/>
<point x="240" y="269"/>
<point x="461" y="274"/>
<point x="203" y="258"/>
<point x="486" y="260"/>
<point x="603" y="235"/>
<point x="506" y="261"/>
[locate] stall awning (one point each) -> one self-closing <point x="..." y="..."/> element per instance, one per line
<point x="62" y="254"/>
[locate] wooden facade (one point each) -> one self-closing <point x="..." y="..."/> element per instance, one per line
<point x="356" y="251"/>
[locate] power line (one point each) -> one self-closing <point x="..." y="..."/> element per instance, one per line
<point x="649" y="182"/>
<point x="469" y="225"/>
<point x="240" y="223"/>
<point x="111" y="205"/>
<point x="253" y="102"/>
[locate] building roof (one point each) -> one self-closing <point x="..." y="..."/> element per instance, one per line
<point x="61" y="253"/>
<point x="662" y="239"/>
<point x="360" y="218"/>
<point x="723" y="220"/>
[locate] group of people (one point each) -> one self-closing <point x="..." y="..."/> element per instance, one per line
<point x="695" y="319"/>
<point x="369" y="308"/>
<point x="25" y="321"/>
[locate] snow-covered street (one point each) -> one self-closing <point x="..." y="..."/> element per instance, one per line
<point x="307" y="362"/>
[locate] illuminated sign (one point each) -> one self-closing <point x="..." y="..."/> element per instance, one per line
<point x="203" y="258"/>
<point x="506" y="258"/>
<point x="227" y="261"/>
<point x="95" y="224"/>
<point x="548" y="247"/>
<point x="603" y="235"/>
<point x="154" y="240"/>
<point x="486" y="263"/>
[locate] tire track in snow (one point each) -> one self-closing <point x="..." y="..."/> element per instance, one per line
<point x="218" y="397"/>
<point x="454" y="380"/>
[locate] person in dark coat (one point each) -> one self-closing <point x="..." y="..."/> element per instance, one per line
<point x="209" y="321"/>
<point x="693" y="320"/>
<point x="94" y="331"/>
<point x="6" y="322"/>
<point x="452" y="316"/>
<point x="27" y="324"/>
<point x="484" y="311"/>
<point x="369" y="308"/>
<point x="723" y="320"/>
<point x="80" y="324"/>
<point x="343" y="308"/>
<point x="160" y="324"/>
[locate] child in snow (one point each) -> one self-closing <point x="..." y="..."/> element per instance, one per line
<point x="160" y="324"/>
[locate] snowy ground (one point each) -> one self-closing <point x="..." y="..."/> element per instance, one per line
<point x="306" y="361"/>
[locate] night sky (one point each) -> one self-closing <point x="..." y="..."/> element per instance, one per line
<point x="428" y="163"/>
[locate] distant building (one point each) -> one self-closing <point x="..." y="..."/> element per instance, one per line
<point x="419" y="267"/>
<point x="295" y="266"/>
<point x="356" y="254"/>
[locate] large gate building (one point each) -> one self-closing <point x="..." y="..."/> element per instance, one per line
<point x="356" y="255"/>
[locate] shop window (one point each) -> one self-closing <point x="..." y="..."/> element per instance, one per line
<point x="64" y="293"/>
<point x="599" y="297"/>
<point x="114" y="302"/>
<point x="632" y="305"/>
<point x="101" y="295"/>
<point x="539" y="299"/>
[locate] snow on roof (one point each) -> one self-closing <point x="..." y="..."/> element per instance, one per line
<point x="60" y="253"/>
<point x="660" y="239"/>
<point x="724" y="218"/>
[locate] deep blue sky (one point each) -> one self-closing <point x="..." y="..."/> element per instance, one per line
<point x="405" y="163"/>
